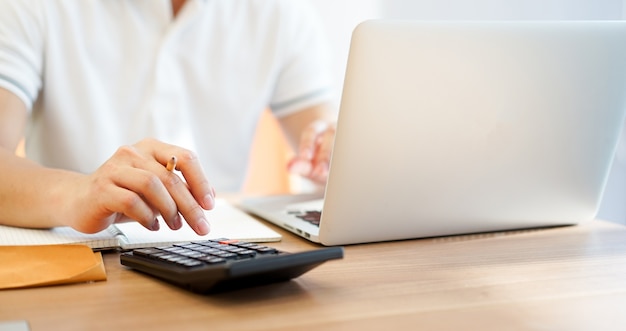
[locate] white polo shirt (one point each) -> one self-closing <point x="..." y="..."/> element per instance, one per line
<point x="98" y="74"/>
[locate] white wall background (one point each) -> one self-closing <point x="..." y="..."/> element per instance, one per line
<point x="504" y="9"/>
<point x="341" y="16"/>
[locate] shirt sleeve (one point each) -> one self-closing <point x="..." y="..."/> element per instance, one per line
<point x="305" y="78"/>
<point x="21" y="48"/>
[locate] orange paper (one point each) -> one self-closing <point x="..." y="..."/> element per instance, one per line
<point x="42" y="265"/>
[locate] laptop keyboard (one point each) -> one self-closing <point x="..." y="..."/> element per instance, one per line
<point x="311" y="216"/>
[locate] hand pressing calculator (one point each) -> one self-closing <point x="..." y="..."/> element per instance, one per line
<point x="223" y="264"/>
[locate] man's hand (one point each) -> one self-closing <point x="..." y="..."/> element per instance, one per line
<point x="313" y="156"/>
<point x="134" y="184"/>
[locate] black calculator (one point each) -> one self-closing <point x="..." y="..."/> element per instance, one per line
<point x="222" y="264"/>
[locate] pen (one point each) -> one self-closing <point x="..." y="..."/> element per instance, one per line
<point x="171" y="164"/>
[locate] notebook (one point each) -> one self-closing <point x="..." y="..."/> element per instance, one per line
<point x="450" y="128"/>
<point x="226" y="222"/>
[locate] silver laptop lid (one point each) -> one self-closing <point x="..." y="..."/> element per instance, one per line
<point x="459" y="127"/>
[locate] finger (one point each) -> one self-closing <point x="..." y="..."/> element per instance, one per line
<point x="324" y="146"/>
<point x="309" y="138"/>
<point x="319" y="174"/>
<point x="150" y="187"/>
<point x="131" y="205"/>
<point x="186" y="204"/>
<point x="303" y="162"/>
<point x="191" y="169"/>
<point x="299" y="166"/>
<point x="189" y="197"/>
<point x="321" y="160"/>
<point x="187" y="163"/>
<point x="182" y="193"/>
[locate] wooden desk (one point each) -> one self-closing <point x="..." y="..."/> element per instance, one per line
<point x="571" y="278"/>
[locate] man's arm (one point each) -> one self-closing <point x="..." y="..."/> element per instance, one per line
<point x="311" y="132"/>
<point x="13" y="115"/>
<point x="25" y="195"/>
<point x="132" y="184"/>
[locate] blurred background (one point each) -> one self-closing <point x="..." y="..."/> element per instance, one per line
<point x="341" y="16"/>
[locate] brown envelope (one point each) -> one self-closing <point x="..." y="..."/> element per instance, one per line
<point x="30" y="266"/>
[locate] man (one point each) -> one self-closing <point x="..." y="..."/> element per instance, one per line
<point x="106" y="92"/>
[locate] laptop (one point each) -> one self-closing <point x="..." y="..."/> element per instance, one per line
<point x="450" y="128"/>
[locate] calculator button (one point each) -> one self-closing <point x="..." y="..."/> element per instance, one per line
<point x="212" y="259"/>
<point x="192" y="254"/>
<point x="146" y="251"/>
<point x="178" y="259"/>
<point x="226" y="247"/>
<point x="208" y="250"/>
<point x="245" y="244"/>
<point x="170" y="248"/>
<point x="190" y="246"/>
<point x="266" y="250"/>
<point x="246" y="253"/>
<point x="228" y="241"/>
<point x="190" y="263"/>
<point x="209" y="244"/>
<point x="165" y="256"/>
<point x="218" y="240"/>
<point x="226" y="255"/>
